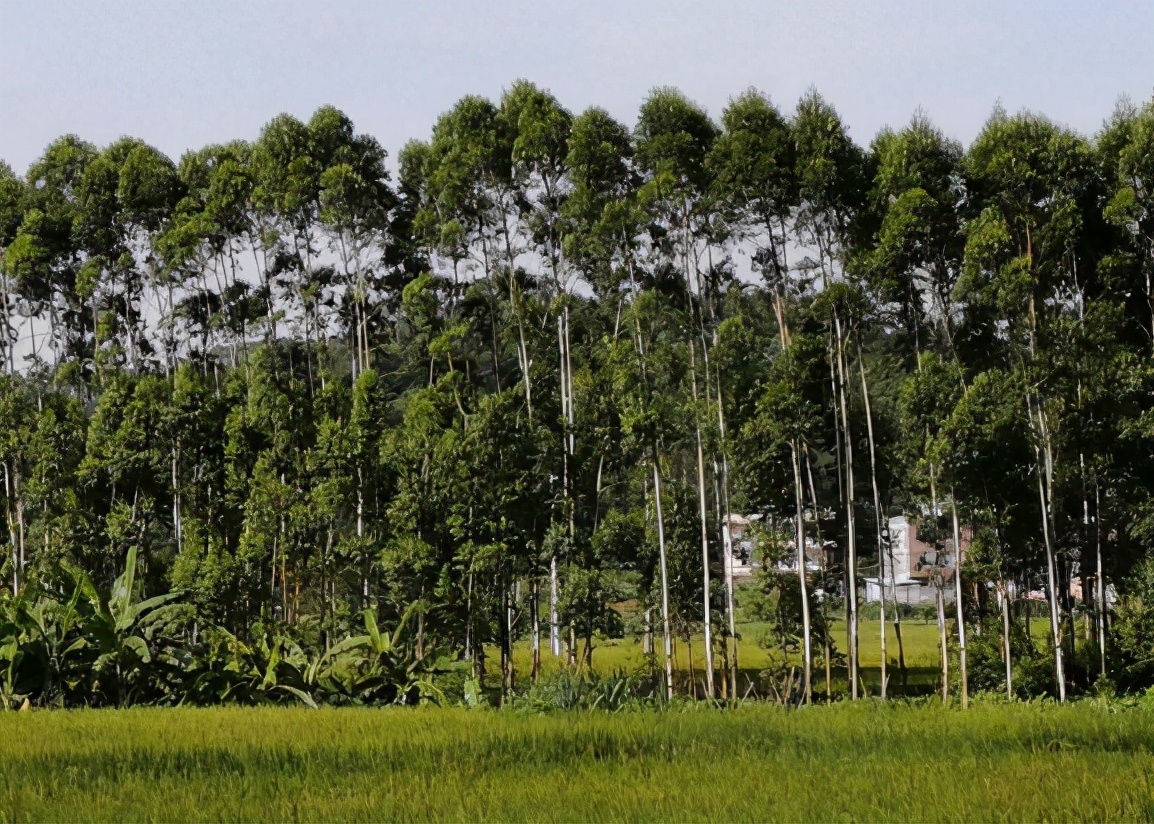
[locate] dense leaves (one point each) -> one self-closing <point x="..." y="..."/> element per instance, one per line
<point x="262" y="401"/>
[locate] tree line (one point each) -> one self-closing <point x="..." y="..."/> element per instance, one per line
<point x="534" y="376"/>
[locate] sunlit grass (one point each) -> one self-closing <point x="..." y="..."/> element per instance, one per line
<point x="754" y="655"/>
<point x="845" y="762"/>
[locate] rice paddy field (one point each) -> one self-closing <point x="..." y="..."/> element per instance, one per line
<point x="845" y="762"/>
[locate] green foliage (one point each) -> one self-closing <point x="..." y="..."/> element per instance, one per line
<point x="256" y="401"/>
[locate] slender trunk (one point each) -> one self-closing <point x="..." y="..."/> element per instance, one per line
<point x="13" y="541"/>
<point x="1100" y="580"/>
<point x="1044" y="463"/>
<point x="824" y="600"/>
<point x="962" y="673"/>
<point x="939" y="583"/>
<point x="942" y="642"/>
<point x="469" y="623"/>
<point x="522" y="355"/>
<point x="799" y="539"/>
<point x="851" y="529"/>
<point x="880" y="536"/>
<point x="178" y="523"/>
<point x="535" y="610"/>
<point x="510" y="670"/>
<point x="1006" y="640"/>
<point x="1052" y="584"/>
<point x="897" y="613"/>
<point x="570" y="414"/>
<point x="705" y="598"/>
<point x="667" y="635"/>
<point x="554" y="626"/>
<point x="554" y="629"/>
<point x="799" y="532"/>
<point x="727" y="549"/>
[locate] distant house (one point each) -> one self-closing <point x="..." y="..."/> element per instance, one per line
<point x="919" y="569"/>
<point x="741" y="545"/>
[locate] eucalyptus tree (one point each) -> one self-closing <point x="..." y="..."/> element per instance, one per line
<point x="914" y="259"/>
<point x="673" y="138"/>
<point x="123" y="477"/>
<point x="1126" y="151"/>
<point x="285" y="205"/>
<point x="601" y="224"/>
<point x="209" y="235"/>
<point x="927" y="399"/>
<point x="602" y="240"/>
<point x="44" y="259"/>
<point x="122" y="200"/>
<point x="830" y="169"/>
<point x="754" y="169"/>
<point x="785" y="416"/>
<point x="12" y="396"/>
<point x="470" y="210"/>
<point x="355" y="205"/>
<point x="541" y="129"/>
<point x="646" y="375"/>
<point x="1026" y="255"/>
<point x="11" y="216"/>
<point x="982" y="453"/>
<point x="911" y="265"/>
<point x="19" y="413"/>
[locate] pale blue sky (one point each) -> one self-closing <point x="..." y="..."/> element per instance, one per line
<point x="183" y="74"/>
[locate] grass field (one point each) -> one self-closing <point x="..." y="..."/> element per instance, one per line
<point x="920" y="640"/>
<point x="846" y="762"/>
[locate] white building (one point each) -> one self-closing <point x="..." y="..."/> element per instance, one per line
<point x="918" y="568"/>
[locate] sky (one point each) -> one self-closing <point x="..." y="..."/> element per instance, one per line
<point x="182" y="75"/>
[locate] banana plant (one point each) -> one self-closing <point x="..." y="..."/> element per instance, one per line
<point x="124" y="637"/>
<point x="231" y="671"/>
<point x="377" y="667"/>
<point x="40" y="644"/>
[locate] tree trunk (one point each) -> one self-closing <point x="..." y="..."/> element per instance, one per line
<point x="962" y="674"/>
<point x="667" y="636"/>
<point x="727" y="550"/>
<point x="535" y="609"/>
<point x="705" y="598"/>
<point x="554" y="625"/>
<point x="1051" y="569"/>
<point x="799" y="539"/>
<point x="1100" y="580"/>
<point x="943" y="645"/>
<point x="882" y="542"/>
<point x="851" y="529"/>
<point x="821" y="550"/>
<point x="1006" y="640"/>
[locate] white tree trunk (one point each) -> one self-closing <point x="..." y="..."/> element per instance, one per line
<point x="958" y="602"/>
<point x="1005" y="593"/>
<point x="665" y="628"/>
<point x="881" y="538"/>
<point x="1100" y="582"/>
<point x="799" y="538"/>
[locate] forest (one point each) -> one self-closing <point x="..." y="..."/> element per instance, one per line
<point x="290" y="420"/>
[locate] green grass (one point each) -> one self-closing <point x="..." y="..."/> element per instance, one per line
<point x="920" y="641"/>
<point x="845" y="762"/>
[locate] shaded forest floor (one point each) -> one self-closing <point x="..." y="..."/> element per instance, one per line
<point x="865" y="761"/>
